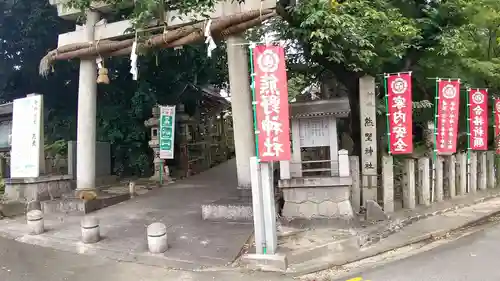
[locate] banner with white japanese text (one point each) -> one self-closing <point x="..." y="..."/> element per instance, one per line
<point x="399" y="102"/>
<point x="478" y="118"/>
<point x="271" y="96"/>
<point x="497" y="123"/>
<point x="447" y="116"/>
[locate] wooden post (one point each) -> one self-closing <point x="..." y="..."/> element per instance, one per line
<point x="473" y="172"/>
<point x="490" y="168"/>
<point x="356" y="183"/>
<point x="482" y="170"/>
<point x="424" y="181"/>
<point x="462" y="173"/>
<point x="438" y="186"/>
<point x="409" y="184"/>
<point x="388" y="183"/>
<point x="451" y="163"/>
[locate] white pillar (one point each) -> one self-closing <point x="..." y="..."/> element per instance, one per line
<point x="86" y="130"/>
<point x="258" y="206"/>
<point x="241" y="104"/>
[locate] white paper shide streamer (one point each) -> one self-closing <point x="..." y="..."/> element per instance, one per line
<point x="209" y="40"/>
<point x="133" y="61"/>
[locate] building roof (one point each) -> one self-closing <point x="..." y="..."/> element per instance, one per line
<point x="6" y="108"/>
<point x="338" y="107"/>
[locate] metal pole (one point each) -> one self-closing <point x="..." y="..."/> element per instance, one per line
<point x="258" y="212"/>
<point x="387" y="114"/>
<point x="269" y="207"/>
<point x="468" y="139"/>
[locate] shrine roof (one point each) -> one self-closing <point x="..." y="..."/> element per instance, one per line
<point x="6" y="108"/>
<point x="338" y="107"/>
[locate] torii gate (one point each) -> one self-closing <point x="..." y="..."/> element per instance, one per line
<point x="94" y="31"/>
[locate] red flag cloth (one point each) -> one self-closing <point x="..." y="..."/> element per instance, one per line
<point x="447" y="116"/>
<point x="271" y="96"/>
<point x="478" y="119"/>
<point x="399" y="99"/>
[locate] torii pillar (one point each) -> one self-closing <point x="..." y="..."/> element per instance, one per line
<point x="87" y="104"/>
<point x="241" y="108"/>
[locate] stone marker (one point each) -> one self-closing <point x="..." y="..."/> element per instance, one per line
<point x="90" y="230"/>
<point x="374" y="212"/>
<point x="35" y="221"/>
<point x="157" y="238"/>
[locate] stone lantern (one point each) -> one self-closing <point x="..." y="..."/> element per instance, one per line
<point x="154" y="143"/>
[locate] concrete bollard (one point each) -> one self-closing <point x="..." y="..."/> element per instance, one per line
<point x="90" y="230"/>
<point x="131" y="189"/>
<point x="157" y="238"/>
<point x="35" y="221"/>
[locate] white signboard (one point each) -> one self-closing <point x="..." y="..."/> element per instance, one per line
<point x="167" y="131"/>
<point x="314" y="132"/>
<point x="27" y="138"/>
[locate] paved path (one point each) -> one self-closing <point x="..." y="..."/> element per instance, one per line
<point x="472" y="258"/>
<point x="23" y="262"/>
<point x="193" y="243"/>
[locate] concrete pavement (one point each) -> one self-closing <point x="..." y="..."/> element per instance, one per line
<point x="471" y="258"/>
<point x="24" y="262"/>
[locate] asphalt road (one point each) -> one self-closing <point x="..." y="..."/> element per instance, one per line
<point x="23" y="262"/>
<point x="472" y="258"/>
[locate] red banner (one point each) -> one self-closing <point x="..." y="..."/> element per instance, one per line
<point x="447" y="120"/>
<point x="271" y="95"/>
<point x="497" y="123"/>
<point x="400" y="113"/>
<point x="478" y="119"/>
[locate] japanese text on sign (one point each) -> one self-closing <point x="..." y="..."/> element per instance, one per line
<point x="447" y="116"/>
<point x="497" y="124"/>
<point x="167" y="132"/>
<point x="271" y="94"/>
<point x="478" y="119"/>
<point x="368" y="126"/>
<point x="400" y="113"/>
<point x="27" y="137"/>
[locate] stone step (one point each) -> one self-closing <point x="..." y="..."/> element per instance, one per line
<point x="228" y="209"/>
<point x="68" y="204"/>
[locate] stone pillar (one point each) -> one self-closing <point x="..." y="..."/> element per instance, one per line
<point x="462" y="173"/>
<point x="388" y="183"/>
<point x="368" y="124"/>
<point x="241" y="104"/>
<point x="424" y="181"/>
<point x="490" y="167"/>
<point x="86" y="130"/>
<point x="481" y="157"/>
<point x="356" y="185"/>
<point x="409" y="184"/>
<point x="438" y="184"/>
<point x="451" y="175"/>
<point x="473" y="172"/>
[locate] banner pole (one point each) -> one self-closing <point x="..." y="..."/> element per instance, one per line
<point x="468" y="137"/>
<point x="254" y="101"/>
<point x="434" y="154"/>
<point x="387" y="114"/>
<point x="256" y="131"/>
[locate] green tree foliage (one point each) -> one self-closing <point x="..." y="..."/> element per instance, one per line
<point x="29" y="28"/>
<point x="350" y="38"/>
